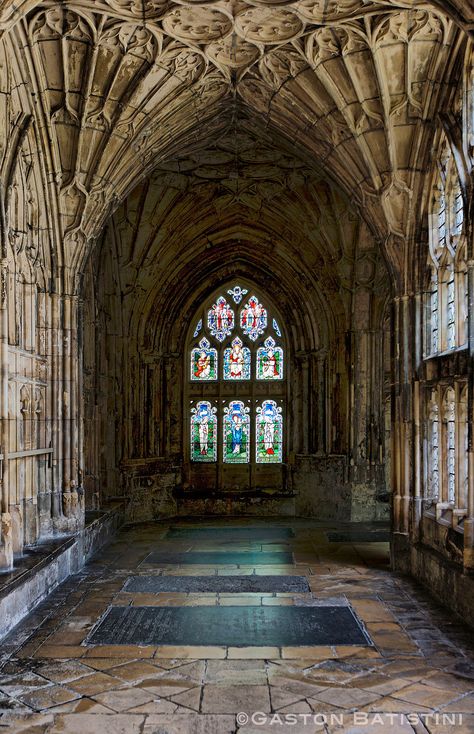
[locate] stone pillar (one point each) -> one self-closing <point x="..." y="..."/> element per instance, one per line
<point x="402" y="432"/>
<point x="296" y="410"/>
<point x="56" y="407"/>
<point x="417" y="499"/>
<point x="304" y="361"/>
<point x="72" y="507"/>
<point x="321" y="413"/>
<point x="6" y="530"/>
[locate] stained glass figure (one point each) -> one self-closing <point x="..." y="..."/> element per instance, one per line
<point x="204" y="362"/>
<point x="198" y="328"/>
<point x="253" y="318"/>
<point x="269" y="428"/>
<point x="203" y="432"/>
<point x="237" y="293"/>
<point x="236" y="433"/>
<point x="276" y="327"/>
<point x="269" y="361"/>
<point x="220" y="319"/>
<point x="237" y="361"/>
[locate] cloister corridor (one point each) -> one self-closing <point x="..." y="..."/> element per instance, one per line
<point x="236" y="366"/>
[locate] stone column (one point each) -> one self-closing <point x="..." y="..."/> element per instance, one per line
<point x="6" y="531"/>
<point x="303" y="400"/>
<point x="72" y="507"/>
<point x="56" y="407"/>
<point x="402" y="434"/>
<point x="321" y="412"/>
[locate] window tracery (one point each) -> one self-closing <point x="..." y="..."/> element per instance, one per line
<point x="433" y="449"/>
<point x="447" y="293"/>
<point x="239" y="348"/>
<point x="449" y="419"/>
<point x="447" y="443"/>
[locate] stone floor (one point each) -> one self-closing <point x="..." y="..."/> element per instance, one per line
<point x="418" y="676"/>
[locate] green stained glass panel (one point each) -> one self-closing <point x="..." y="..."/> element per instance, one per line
<point x="203" y="432"/>
<point x="269" y="433"/>
<point x="236" y="433"/>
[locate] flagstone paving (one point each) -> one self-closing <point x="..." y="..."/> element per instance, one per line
<point x="417" y="677"/>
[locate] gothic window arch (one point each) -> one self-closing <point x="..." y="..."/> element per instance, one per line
<point x="236" y="381"/>
<point x="446" y="303"/>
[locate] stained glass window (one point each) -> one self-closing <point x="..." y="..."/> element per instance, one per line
<point x="434" y="315"/>
<point x="237" y="293"/>
<point x="204" y="362"/>
<point x="433" y="480"/>
<point x="269" y="361"/>
<point x="253" y="318"/>
<point x="442" y="220"/>
<point x="447" y="247"/>
<point x="220" y="319"/>
<point x="198" y="328"/>
<point x="203" y="432"/>
<point x="450" y="313"/>
<point x="269" y="427"/>
<point x="450" y="417"/>
<point x="236" y="433"/>
<point x="237" y="361"/>
<point x="235" y="418"/>
<point x="458" y="208"/>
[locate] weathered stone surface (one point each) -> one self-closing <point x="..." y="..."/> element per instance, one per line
<point x="318" y="153"/>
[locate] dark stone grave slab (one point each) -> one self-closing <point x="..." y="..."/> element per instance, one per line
<point x="217" y="584"/>
<point x="231" y="533"/>
<point x="359" y="536"/>
<point x="233" y="626"/>
<point x="222" y="558"/>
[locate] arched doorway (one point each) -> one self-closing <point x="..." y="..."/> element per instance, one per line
<point x="235" y="393"/>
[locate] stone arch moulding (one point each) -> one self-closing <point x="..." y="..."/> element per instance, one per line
<point x="304" y="326"/>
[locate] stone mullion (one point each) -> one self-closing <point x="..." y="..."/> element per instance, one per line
<point x="469" y="521"/>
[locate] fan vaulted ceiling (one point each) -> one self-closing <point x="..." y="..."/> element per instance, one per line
<point x="115" y="88"/>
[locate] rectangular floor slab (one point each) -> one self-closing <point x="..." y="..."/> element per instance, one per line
<point x="222" y="558"/>
<point x="240" y="626"/>
<point x="231" y="533"/>
<point x="360" y="536"/>
<point x="217" y="584"/>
